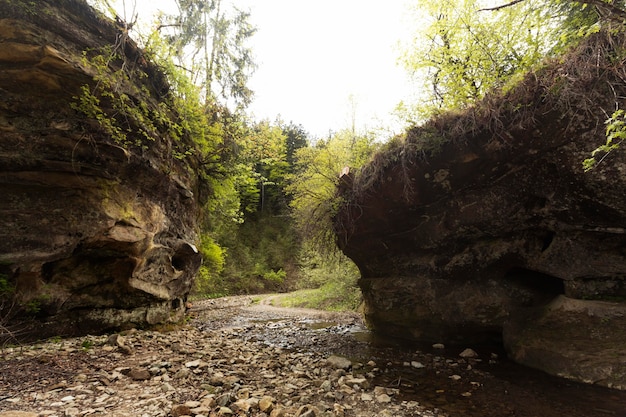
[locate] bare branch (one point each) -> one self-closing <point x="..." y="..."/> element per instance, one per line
<point x="503" y="6"/>
<point x="600" y="4"/>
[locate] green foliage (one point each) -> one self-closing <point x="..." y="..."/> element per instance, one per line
<point x="123" y="100"/>
<point x="213" y="257"/>
<point x="318" y="268"/>
<point x="313" y="188"/>
<point x="271" y="275"/>
<point x="86" y="344"/>
<point x="194" y="122"/>
<point x="248" y="218"/>
<point x="33" y="307"/>
<point x="223" y="212"/>
<point x="111" y="100"/>
<point x="266" y="242"/>
<point x="296" y="138"/>
<point x="615" y="135"/>
<point x="262" y="155"/>
<point x="259" y="257"/>
<point x="29" y="7"/>
<point x="6" y="288"/>
<point x="327" y="282"/>
<point x="465" y="51"/>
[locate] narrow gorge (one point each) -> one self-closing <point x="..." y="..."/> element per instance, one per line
<point x="478" y="227"/>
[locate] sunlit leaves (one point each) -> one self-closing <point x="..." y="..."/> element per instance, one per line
<point x="462" y="51"/>
<point x="615" y="135"/>
<point x="313" y="188"/>
<point x="265" y="143"/>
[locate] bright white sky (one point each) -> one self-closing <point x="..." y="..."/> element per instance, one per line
<point x="313" y="55"/>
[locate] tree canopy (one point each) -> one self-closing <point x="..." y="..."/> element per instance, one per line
<point x="464" y="48"/>
<point x="210" y="43"/>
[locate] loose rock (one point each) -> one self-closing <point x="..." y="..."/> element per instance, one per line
<point x="468" y="353"/>
<point x="339" y="362"/>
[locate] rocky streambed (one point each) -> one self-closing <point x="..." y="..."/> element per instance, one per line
<point x="239" y="357"/>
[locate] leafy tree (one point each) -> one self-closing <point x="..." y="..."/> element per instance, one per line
<point x="296" y="139"/>
<point x="212" y="46"/>
<point x="266" y="155"/>
<point x="466" y="50"/>
<point x="264" y="151"/>
<point x="317" y="176"/>
<point x="260" y="250"/>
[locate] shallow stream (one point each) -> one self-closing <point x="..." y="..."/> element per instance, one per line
<point x="489" y="385"/>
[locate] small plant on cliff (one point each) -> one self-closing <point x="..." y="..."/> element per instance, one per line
<point x="6" y="289"/>
<point x="117" y="100"/>
<point x="615" y="135"/>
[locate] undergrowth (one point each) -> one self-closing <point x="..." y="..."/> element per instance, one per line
<point x="326" y="283"/>
<point x="332" y="296"/>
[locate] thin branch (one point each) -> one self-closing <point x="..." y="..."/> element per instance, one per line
<point x="611" y="8"/>
<point x="503" y="6"/>
<point x="168" y="25"/>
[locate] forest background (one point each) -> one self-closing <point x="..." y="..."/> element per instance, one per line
<point x="267" y="226"/>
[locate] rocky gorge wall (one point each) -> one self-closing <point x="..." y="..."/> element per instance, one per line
<point x="94" y="233"/>
<point x="482" y="226"/>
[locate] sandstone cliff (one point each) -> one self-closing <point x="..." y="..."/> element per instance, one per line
<point x="97" y="218"/>
<point x="482" y="226"/>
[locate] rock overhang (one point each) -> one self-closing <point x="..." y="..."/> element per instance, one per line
<point x="94" y="234"/>
<point x="477" y="220"/>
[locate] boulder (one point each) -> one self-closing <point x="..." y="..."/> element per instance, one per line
<point x="576" y="339"/>
<point x="481" y="226"/>
<point x="97" y="225"/>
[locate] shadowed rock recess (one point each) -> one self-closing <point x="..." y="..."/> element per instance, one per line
<point x="95" y="232"/>
<point x="482" y="226"/>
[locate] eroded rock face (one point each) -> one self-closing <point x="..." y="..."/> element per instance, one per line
<point x="498" y="232"/>
<point x="93" y="234"/>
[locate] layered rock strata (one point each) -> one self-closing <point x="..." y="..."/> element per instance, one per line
<point x="483" y="226"/>
<point x="94" y="232"/>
